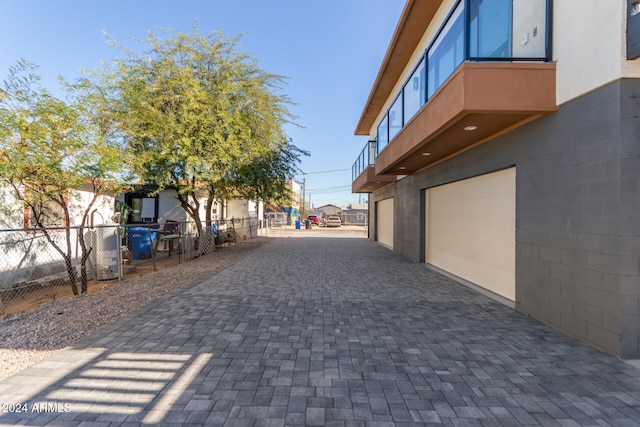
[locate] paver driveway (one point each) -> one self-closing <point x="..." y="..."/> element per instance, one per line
<point x="325" y="331"/>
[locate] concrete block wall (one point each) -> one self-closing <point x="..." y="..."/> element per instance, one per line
<point x="568" y="204"/>
<point x="629" y="285"/>
<point x="577" y="214"/>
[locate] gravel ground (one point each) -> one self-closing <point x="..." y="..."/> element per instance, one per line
<point x="29" y="337"/>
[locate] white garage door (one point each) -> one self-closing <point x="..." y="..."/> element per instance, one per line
<point x="384" y="222"/>
<point x="471" y="230"/>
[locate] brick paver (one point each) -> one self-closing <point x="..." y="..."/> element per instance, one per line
<point x="325" y="331"/>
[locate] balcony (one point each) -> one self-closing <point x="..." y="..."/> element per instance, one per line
<point x="486" y="71"/>
<point x="478" y="102"/>
<point x="363" y="173"/>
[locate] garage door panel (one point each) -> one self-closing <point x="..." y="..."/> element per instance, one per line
<point x="384" y="222"/>
<point x="471" y="230"/>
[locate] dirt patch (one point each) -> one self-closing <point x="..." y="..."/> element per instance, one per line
<point x="30" y="297"/>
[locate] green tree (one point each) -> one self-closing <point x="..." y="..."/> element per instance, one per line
<point x="49" y="149"/>
<point x="264" y="178"/>
<point x="194" y="109"/>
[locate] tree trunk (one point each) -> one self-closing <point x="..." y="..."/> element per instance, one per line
<point x="209" y="206"/>
<point x="83" y="261"/>
<point x="192" y="207"/>
<point x="71" y="271"/>
<point x="68" y="261"/>
<point x="83" y="243"/>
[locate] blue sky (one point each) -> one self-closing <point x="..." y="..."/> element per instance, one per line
<point x="330" y="50"/>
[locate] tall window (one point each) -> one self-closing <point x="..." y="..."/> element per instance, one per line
<point x="490" y="28"/>
<point x="395" y="118"/>
<point x="414" y="91"/>
<point x="383" y="133"/>
<point x="447" y="52"/>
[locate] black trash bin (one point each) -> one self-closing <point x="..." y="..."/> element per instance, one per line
<point x="307" y="224"/>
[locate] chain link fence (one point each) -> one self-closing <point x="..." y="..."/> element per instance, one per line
<point x="40" y="265"/>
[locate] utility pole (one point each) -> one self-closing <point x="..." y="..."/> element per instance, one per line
<point x="304" y="185"/>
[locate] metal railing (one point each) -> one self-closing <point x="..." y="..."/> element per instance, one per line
<point x="365" y="159"/>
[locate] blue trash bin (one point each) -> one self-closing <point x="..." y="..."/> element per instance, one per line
<point x="140" y="241"/>
<point x="297" y="224"/>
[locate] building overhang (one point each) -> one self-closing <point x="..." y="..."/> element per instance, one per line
<point x="414" y="21"/>
<point x="368" y="181"/>
<point x="480" y="101"/>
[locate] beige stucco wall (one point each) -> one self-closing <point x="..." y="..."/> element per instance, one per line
<point x="589" y="46"/>
<point x="471" y="230"/>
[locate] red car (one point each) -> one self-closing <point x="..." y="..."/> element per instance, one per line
<point x="314" y="219"/>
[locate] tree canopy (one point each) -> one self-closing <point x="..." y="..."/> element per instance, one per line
<point x="189" y="112"/>
<point x="200" y="116"/>
<point x="50" y="146"/>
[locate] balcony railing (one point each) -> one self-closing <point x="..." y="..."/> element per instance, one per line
<point x="364" y="160"/>
<point x="474" y="30"/>
<point x="364" y="178"/>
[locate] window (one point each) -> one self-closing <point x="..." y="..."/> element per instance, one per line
<point x="144" y="209"/>
<point x="395" y="118"/>
<point x="490" y="28"/>
<point x="414" y="92"/>
<point x="447" y="52"/>
<point x="383" y="134"/>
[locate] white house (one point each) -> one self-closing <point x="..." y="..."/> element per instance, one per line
<point x="26" y="253"/>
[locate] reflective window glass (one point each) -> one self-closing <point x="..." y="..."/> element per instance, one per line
<point x="490" y="28"/>
<point x="383" y="134"/>
<point x="529" y="29"/>
<point x="395" y="118"/>
<point x="414" y="92"/>
<point x="447" y="52"/>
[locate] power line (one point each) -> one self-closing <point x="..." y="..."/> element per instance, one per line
<point x="328" y="188"/>
<point x="335" y="190"/>
<point x="335" y="170"/>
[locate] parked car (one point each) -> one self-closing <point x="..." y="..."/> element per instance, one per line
<point x="334" y="221"/>
<point x="314" y="219"/>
